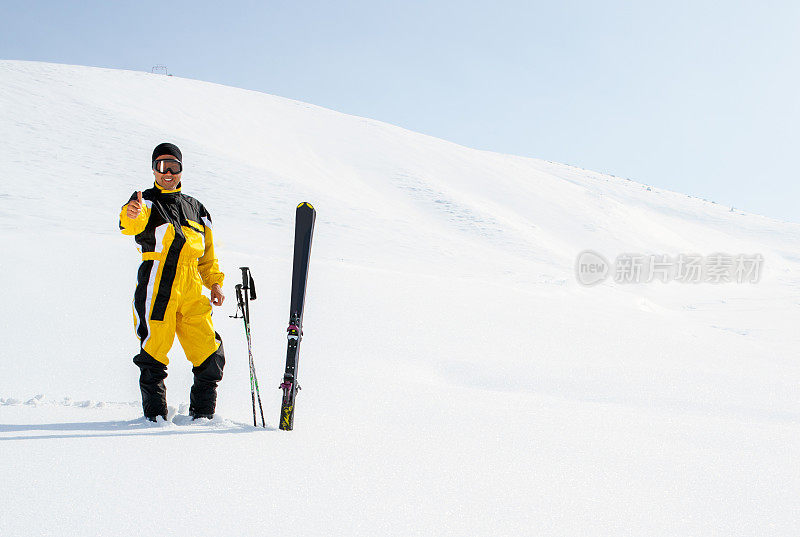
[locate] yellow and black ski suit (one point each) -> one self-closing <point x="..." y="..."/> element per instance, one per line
<point x="174" y="235"/>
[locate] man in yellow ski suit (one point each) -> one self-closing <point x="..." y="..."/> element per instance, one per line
<point x="173" y="232"/>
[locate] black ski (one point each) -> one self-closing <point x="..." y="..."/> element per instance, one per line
<point x="303" y="231"/>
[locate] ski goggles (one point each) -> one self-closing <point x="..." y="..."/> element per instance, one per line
<point x="168" y="165"/>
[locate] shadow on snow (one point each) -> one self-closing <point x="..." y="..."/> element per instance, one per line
<point x="137" y="427"/>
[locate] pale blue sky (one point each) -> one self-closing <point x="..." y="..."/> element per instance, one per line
<point x="695" y="96"/>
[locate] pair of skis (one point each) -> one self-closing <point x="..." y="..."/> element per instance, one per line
<point x="303" y="232"/>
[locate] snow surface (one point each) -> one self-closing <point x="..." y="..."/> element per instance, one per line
<point x="457" y="379"/>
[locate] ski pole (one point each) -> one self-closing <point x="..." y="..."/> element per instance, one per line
<point x="244" y="292"/>
<point x="249" y="286"/>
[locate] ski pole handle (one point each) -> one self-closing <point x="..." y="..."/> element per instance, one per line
<point x="248" y="282"/>
<point x="239" y="299"/>
<point x="239" y="302"/>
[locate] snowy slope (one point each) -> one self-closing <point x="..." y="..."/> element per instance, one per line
<point x="457" y="379"/>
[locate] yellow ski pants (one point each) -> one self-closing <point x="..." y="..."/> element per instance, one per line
<point x="169" y="300"/>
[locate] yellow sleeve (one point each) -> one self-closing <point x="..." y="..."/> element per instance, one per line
<point x="208" y="264"/>
<point x="133" y="226"/>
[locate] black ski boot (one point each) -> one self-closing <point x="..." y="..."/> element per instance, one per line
<point x="151" y="382"/>
<point x="203" y="395"/>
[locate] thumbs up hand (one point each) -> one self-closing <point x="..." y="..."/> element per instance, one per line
<point x="135" y="206"/>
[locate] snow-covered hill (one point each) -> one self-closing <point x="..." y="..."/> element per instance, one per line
<point x="458" y="380"/>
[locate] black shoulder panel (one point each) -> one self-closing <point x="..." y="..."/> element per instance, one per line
<point x="192" y="209"/>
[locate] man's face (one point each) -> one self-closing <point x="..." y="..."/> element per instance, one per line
<point x="166" y="180"/>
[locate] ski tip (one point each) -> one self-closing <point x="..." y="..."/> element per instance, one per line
<point x="305" y="203"/>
